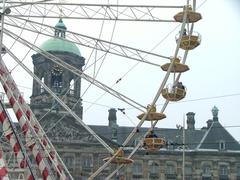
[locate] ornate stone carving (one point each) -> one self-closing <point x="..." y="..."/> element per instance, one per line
<point x="62" y="132"/>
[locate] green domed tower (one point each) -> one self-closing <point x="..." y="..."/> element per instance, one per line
<point x="58" y="44"/>
<point x="61" y="81"/>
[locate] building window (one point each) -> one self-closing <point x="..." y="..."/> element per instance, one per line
<point x="68" y="161"/>
<point x="101" y="177"/>
<point x="122" y="171"/>
<point x="42" y="88"/>
<point x="84" y="178"/>
<point x="223" y="172"/>
<point x="206" y="178"/>
<point x="137" y="140"/>
<point x="87" y="161"/>
<point x="206" y="172"/>
<point x="238" y="173"/>
<point x="72" y="87"/>
<point x="170" y="145"/>
<point x="170" y="172"/>
<point x="154" y="170"/>
<point x="222" y="145"/>
<point x="101" y="162"/>
<point x="56" y="78"/>
<point x="170" y="169"/>
<point x="188" y="170"/>
<point x="137" y="170"/>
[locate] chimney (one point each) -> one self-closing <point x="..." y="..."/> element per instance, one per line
<point x="190" y="120"/>
<point x="209" y="123"/>
<point x="112" y="123"/>
<point x="112" y="117"/>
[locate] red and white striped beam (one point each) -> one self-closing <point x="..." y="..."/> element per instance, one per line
<point x="15" y="99"/>
<point x="12" y="139"/>
<point x="3" y="168"/>
<point x="20" y="108"/>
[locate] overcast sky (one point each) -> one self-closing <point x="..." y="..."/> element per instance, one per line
<point x="212" y="79"/>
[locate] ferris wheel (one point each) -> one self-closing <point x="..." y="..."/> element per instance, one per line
<point x="102" y="32"/>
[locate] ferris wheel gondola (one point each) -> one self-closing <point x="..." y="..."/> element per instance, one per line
<point x="152" y="142"/>
<point x="152" y="115"/>
<point x="119" y="159"/>
<point x="174" y="92"/>
<point x="189" y="42"/>
<point x="192" y="16"/>
<point x="177" y="66"/>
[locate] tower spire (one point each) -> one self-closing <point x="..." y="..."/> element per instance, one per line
<point x="60" y="29"/>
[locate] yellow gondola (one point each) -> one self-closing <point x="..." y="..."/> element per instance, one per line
<point x="174" y="94"/>
<point x="153" y="143"/>
<point x="189" y="42"/>
<point x="192" y="16"/>
<point x="177" y="66"/>
<point x="152" y="115"/>
<point x="119" y="159"/>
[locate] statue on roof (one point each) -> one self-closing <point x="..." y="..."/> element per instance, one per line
<point x="215" y="111"/>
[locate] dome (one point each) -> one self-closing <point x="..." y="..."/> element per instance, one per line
<point x="58" y="44"/>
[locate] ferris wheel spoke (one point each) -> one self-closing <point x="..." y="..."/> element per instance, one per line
<point x="60" y="102"/>
<point x="153" y="125"/>
<point x="166" y="102"/>
<point x="77" y="71"/>
<point x="87" y="41"/>
<point x="13" y="4"/>
<point x="50" y="9"/>
<point x="120" y="12"/>
<point x="153" y="102"/>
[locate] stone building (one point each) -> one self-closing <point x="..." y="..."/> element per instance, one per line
<point x="211" y="153"/>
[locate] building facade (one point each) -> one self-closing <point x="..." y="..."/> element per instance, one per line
<point x="210" y="153"/>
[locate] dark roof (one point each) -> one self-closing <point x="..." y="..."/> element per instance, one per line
<point x="174" y="136"/>
<point x="216" y="134"/>
<point x="204" y="139"/>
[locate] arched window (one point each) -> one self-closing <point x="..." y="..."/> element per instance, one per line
<point x="57" y="81"/>
<point x="137" y="170"/>
<point x="206" y="172"/>
<point x="153" y="170"/>
<point x="71" y="91"/>
<point x="170" y="172"/>
<point x="41" y="88"/>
